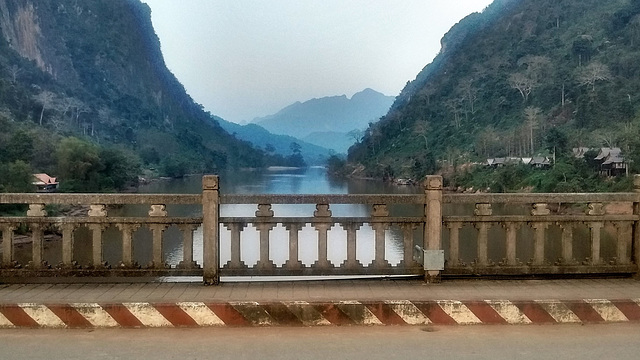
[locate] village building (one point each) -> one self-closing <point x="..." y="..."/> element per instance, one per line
<point x="611" y="162"/>
<point x="45" y="183"/>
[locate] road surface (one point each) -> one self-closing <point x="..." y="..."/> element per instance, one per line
<point x="611" y="341"/>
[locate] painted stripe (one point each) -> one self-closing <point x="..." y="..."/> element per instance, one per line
<point x="147" y="314"/>
<point x="559" y="311"/>
<point x="70" y="316"/>
<point x="175" y="315"/>
<point x="95" y="315"/>
<point x="509" y="312"/>
<point x="584" y="311"/>
<point x="280" y="312"/>
<point x="306" y="313"/>
<point x="17" y="316"/>
<point x="484" y="312"/>
<point x="459" y="312"/>
<point x="384" y="313"/>
<point x="535" y="312"/>
<point x="607" y="310"/>
<point x="359" y="313"/>
<point x="228" y="314"/>
<point x="333" y="314"/>
<point x="4" y="322"/>
<point x="434" y="312"/>
<point x="254" y="313"/>
<point x="629" y="308"/>
<point x="201" y="314"/>
<point x="408" y="312"/>
<point x="42" y="315"/>
<point x="122" y="315"/>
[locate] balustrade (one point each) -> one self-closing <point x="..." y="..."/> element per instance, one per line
<point x="508" y="234"/>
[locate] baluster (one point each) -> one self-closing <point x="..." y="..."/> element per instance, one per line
<point x="510" y="244"/>
<point x="483" y="233"/>
<point x="187" y="246"/>
<point x="323" y="261"/>
<point x="235" y="262"/>
<point x="539" y="209"/>
<point x="264" y="211"/>
<point x="36" y="210"/>
<point x="380" y="233"/>
<point x="38" y="245"/>
<point x="624" y="232"/>
<point x="67" y="244"/>
<point x="483" y="243"/>
<point x="97" y="210"/>
<point x="96" y="241"/>
<point x="157" y="243"/>
<point x="407" y="239"/>
<point x="127" y="243"/>
<point x="351" y="262"/>
<point x="322" y="212"/>
<point x="567" y="243"/>
<point x="380" y="211"/>
<point x="7" y="245"/>
<point x="293" y="263"/>
<point x="595" y="228"/>
<point x="538" y="242"/>
<point x="454" y="243"/>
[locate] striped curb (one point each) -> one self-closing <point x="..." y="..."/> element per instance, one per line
<point x="302" y="313"/>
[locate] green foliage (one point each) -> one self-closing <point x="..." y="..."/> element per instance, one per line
<point x="16" y="177"/>
<point x="112" y="90"/>
<point x="78" y="165"/>
<point x="524" y="78"/>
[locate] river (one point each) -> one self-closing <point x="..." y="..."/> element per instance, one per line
<point x="312" y="180"/>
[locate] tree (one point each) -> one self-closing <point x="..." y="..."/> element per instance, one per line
<point x="557" y="143"/>
<point x="78" y="165"/>
<point x="532" y="117"/>
<point x="14" y="71"/>
<point x="421" y="128"/>
<point x="356" y="135"/>
<point x="44" y="98"/>
<point x="536" y="68"/>
<point x="592" y="73"/>
<point x="16" y="177"/>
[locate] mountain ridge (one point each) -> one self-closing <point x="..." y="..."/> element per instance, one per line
<point x="331" y="113"/>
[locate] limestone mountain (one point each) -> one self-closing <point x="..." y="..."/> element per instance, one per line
<point x="328" y="114"/>
<point x="274" y="143"/>
<point x="93" y="69"/>
<point x="522" y="78"/>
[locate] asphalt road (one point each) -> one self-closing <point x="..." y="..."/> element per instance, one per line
<point x="611" y="341"/>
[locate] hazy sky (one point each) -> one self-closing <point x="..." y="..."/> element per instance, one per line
<point x="246" y="58"/>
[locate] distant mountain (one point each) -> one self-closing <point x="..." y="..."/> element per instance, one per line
<point x="334" y="113"/>
<point x="260" y="137"/>
<point x="336" y="141"/>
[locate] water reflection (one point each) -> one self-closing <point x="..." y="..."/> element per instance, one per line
<point x="305" y="181"/>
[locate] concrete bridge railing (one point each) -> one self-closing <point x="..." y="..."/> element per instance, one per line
<point x="476" y="234"/>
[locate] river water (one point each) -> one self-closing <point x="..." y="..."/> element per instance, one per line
<point x="303" y="181"/>
<point x="313" y="180"/>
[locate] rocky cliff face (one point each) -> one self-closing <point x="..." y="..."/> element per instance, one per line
<point x="100" y="60"/>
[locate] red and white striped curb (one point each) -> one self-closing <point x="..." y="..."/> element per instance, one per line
<point x="302" y="313"/>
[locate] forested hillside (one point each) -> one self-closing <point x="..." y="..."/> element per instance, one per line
<point x="523" y="78"/>
<point x="85" y="95"/>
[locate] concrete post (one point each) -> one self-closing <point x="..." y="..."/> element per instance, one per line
<point x="433" y="221"/>
<point x="211" y="229"/>
<point x="636" y="225"/>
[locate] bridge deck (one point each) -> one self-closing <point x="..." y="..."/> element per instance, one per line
<point x="316" y="291"/>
